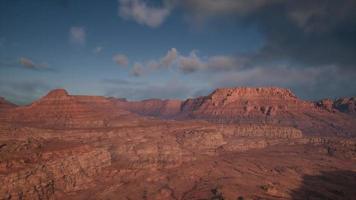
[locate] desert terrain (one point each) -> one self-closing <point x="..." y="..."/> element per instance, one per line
<point x="234" y="144"/>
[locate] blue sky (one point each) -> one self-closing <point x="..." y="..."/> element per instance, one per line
<point x="172" y="49"/>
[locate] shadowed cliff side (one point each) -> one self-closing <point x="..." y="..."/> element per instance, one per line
<point x="333" y="185"/>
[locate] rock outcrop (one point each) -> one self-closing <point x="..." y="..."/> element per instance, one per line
<point x="265" y="131"/>
<point x="52" y="172"/>
<point x="268" y="106"/>
<point x="90" y="147"/>
<point x="58" y="109"/>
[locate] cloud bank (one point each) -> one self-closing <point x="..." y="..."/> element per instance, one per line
<point x="305" y="33"/>
<point x="142" y="13"/>
<point x="29" y="64"/>
<point x="121" y="60"/>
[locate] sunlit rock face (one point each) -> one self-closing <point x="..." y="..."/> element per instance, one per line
<point x="265" y="105"/>
<point x="268" y="106"/>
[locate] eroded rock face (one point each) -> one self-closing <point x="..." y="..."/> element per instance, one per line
<point x="54" y="149"/>
<point x="265" y="131"/>
<point x="56" y="162"/>
<point x="201" y="141"/>
<point x="275" y="106"/>
<point x="58" y="109"/>
<point x="151" y="155"/>
<point x="246" y="100"/>
<point x="245" y="144"/>
<point x="267" y="106"/>
<point x="226" y="96"/>
<point x="65" y="170"/>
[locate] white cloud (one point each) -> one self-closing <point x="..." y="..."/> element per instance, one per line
<point x="137" y="69"/>
<point x="121" y="60"/>
<point x="192" y="63"/>
<point x="77" y="35"/>
<point x="169" y="58"/>
<point x="28" y="63"/>
<point x="166" y="61"/>
<point x="199" y="10"/>
<point x="186" y="64"/>
<point x="142" y="13"/>
<point x="278" y="75"/>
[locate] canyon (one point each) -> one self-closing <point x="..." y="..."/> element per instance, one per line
<point x="235" y="143"/>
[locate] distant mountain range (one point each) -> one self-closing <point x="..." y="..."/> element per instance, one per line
<point x="265" y="105"/>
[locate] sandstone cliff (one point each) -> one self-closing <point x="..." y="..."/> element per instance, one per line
<point x="37" y="171"/>
<point x="268" y="105"/>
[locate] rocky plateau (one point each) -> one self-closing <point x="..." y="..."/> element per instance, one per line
<point x="236" y="143"/>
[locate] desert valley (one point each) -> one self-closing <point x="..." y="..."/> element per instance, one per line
<point x="236" y="143"/>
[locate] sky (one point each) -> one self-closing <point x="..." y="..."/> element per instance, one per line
<point x="177" y="49"/>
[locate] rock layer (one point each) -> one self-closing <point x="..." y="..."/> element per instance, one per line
<point x="58" y="109"/>
<point x="88" y="147"/>
<point x="65" y="170"/>
<point x="276" y="106"/>
<point x="267" y="105"/>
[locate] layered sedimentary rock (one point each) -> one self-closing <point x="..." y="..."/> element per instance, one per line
<point x="267" y="105"/>
<point x="88" y="147"/>
<point x="54" y="149"/>
<point x="266" y="131"/>
<point x="201" y="141"/>
<point x="152" y="154"/>
<point x="58" y="109"/>
<point x="51" y="172"/>
<point x="227" y="105"/>
<point x="245" y="100"/>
